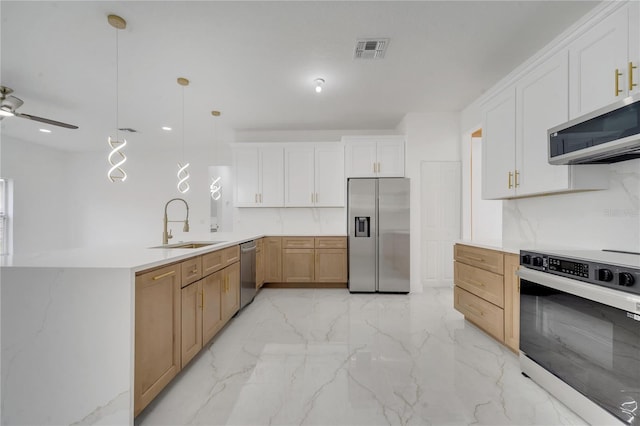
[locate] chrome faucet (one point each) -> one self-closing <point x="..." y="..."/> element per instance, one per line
<point x="167" y="235"/>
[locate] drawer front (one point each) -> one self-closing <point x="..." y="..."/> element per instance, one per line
<point x="191" y="270"/>
<point x="485" y="315"/>
<point x="331" y="242"/>
<point x="231" y="255"/>
<point x="297" y="242"/>
<point x="259" y="244"/>
<point x="484" y="284"/>
<point x="490" y="260"/>
<point x="212" y="262"/>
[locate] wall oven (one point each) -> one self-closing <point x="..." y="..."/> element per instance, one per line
<point x="580" y="331"/>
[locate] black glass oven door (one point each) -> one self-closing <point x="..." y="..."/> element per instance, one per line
<point x="594" y="348"/>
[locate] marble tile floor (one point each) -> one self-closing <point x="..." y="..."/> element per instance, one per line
<point x="328" y="357"/>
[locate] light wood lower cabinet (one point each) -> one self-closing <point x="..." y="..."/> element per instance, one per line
<point x="191" y="321"/>
<point x="177" y="313"/>
<point x="297" y="265"/>
<point x="259" y="262"/>
<point x="309" y="260"/>
<point x="212" y="320"/>
<point x="230" y="303"/>
<point x="331" y="265"/>
<point x="157" y="332"/>
<point x="273" y="259"/>
<point x="511" y="302"/>
<point x="487" y="291"/>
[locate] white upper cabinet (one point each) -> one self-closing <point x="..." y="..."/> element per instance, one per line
<point x="374" y="156"/>
<point x="514" y="144"/>
<point x="314" y="175"/>
<point x="259" y="176"/>
<point x="499" y="145"/>
<point x="603" y="61"/>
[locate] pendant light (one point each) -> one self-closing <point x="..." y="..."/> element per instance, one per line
<point x="116" y="157"/>
<point x="183" y="172"/>
<point x="216" y="187"/>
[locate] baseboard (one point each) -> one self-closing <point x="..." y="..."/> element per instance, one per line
<point x="305" y="285"/>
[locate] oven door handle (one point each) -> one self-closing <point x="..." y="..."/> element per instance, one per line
<point x="618" y="299"/>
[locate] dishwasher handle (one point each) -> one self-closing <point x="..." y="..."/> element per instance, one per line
<point x="248" y="246"/>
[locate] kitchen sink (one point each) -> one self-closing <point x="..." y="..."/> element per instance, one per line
<point x="189" y="244"/>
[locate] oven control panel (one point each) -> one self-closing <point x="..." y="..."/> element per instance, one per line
<point x="613" y="276"/>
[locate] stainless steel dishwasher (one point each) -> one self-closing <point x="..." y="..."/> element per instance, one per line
<point x="247" y="272"/>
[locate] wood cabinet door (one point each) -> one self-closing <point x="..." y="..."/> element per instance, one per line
<point x="498" y="146"/>
<point x="360" y="158"/>
<point x="299" y="190"/>
<point x="329" y="175"/>
<point x="542" y="102"/>
<point x="511" y="302"/>
<point x="273" y="259"/>
<point x="157" y="333"/>
<point x="231" y="291"/>
<point x="330" y="265"/>
<point x="191" y="321"/>
<point x="247" y="177"/>
<point x="390" y="157"/>
<point x="594" y="58"/>
<point x="271" y="192"/>
<point x="259" y="263"/>
<point x="212" y="320"/>
<point x="298" y="265"/>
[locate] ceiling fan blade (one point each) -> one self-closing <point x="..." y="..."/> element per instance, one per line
<point x="46" y="120"/>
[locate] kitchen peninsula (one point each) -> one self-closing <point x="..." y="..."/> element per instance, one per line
<point x="68" y="330"/>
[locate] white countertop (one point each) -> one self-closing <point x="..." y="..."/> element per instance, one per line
<point x="136" y="257"/>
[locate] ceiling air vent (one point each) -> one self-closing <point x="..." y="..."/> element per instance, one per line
<point x="371" y="48"/>
<point x="128" y="129"/>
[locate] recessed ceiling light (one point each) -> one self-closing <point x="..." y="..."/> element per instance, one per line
<point x="45" y="130"/>
<point x="166" y="128"/>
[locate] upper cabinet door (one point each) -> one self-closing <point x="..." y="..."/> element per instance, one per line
<point x="271" y="192"/>
<point x="329" y="175"/>
<point x="542" y="102"/>
<point x="299" y="188"/>
<point x="247" y="178"/>
<point x="361" y="158"/>
<point x="390" y="156"/>
<point x="600" y="65"/>
<point x="498" y="146"/>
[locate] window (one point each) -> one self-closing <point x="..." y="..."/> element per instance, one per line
<point x="5" y="210"/>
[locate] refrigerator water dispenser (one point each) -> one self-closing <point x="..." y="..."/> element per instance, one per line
<point x="362" y="226"/>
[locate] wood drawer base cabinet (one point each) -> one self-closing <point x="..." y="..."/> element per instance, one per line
<point x="306" y="262"/>
<point x="487" y="291"/>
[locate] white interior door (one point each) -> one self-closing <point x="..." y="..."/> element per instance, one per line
<point x="440" y="222"/>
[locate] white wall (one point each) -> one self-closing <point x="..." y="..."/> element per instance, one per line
<point x="429" y="137"/>
<point x="42" y="214"/>
<point x="131" y="212"/>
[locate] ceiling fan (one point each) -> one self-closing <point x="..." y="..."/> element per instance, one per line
<point x="9" y="105"/>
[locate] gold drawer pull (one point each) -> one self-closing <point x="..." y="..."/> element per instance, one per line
<point x="202" y="300"/>
<point x="477" y="259"/>
<point x="476" y="283"/>
<point x="510" y="177"/>
<point x="195" y="271"/>
<point x="631" y="83"/>
<point x="161" y="276"/>
<point x="474" y="310"/>
<point x="517" y="180"/>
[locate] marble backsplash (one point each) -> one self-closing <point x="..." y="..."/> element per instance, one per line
<point x="587" y="220"/>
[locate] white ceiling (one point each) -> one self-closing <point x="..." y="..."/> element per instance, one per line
<point x="256" y="62"/>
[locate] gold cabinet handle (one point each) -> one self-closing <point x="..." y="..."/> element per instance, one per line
<point x="374" y="167"/>
<point x="517" y="181"/>
<point x="510" y="177"/>
<point x="202" y="300"/>
<point x="161" y="276"/>
<point x="261" y="197"/>
<point x="194" y="271"/>
<point x="312" y="197"/>
<point x="618" y="75"/>
<point x="378" y="167"/>
<point x="316" y="197"/>
<point x="631" y="83"/>
<point x="255" y="198"/>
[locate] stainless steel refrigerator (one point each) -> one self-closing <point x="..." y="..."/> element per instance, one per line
<point x="378" y="211"/>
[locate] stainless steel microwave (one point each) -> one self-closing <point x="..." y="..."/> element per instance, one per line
<point x="607" y="135"/>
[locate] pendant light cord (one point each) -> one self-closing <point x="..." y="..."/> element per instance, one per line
<point x="117" y="87"/>
<point x="183" y="124"/>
